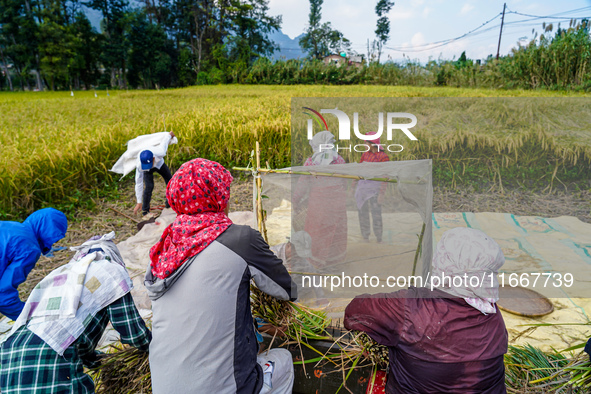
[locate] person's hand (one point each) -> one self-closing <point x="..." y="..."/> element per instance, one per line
<point x="272" y="330"/>
<point x="137" y="208"/>
<point x="172" y="134"/>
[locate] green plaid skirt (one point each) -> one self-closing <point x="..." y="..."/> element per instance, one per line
<point x="30" y="366"/>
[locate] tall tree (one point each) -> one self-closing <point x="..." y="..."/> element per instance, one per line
<point x="159" y="12"/>
<point x="250" y="26"/>
<point x="150" y="61"/>
<point x="311" y="41"/>
<point x="181" y="29"/>
<point x="218" y="32"/>
<point x="383" y="7"/>
<point x="84" y="66"/>
<point x="321" y="40"/>
<point x="4" y="66"/>
<point x="56" y="42"/>
<point x="115" y="45"/>
<point x="18" y="37"/>
<point x="203" y="17"/>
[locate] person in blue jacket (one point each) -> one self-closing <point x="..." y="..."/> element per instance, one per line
<point x="21" y="244"/>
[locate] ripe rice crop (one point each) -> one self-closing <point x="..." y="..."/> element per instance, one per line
<point x="55" y="146"/>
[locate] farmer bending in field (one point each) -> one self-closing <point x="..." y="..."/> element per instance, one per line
<point x="145" y="154"/>
<point x="21" y="244"/>
<point x="149" y="162"/>
<point x="199" y="283"/>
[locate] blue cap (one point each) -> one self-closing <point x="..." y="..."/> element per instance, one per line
<point x="147" y="159"/>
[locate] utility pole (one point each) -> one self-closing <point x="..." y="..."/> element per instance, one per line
<point x="501" y="32"/>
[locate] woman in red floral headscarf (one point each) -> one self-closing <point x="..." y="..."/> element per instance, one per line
<point x="199" y="195"/>
<point x="199" y="284"/>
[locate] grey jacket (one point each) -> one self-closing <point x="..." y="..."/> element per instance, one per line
<point x="203" y="334"/>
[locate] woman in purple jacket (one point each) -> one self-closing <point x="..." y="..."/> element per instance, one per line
<point x="447" y="340"/>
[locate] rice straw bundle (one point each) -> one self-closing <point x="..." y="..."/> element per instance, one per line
<point x="297" y="321"/>
<point x="530" y="370"/>
<point x="124" y="369"/>
<point x="300" y="324"/>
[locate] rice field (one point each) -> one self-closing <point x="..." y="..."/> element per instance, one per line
<point x="56" y="148"/>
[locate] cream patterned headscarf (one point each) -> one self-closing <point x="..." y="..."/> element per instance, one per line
<point x="59" y="305"/>
<point x="326" y="156"/>
<point x="468" y="251"/>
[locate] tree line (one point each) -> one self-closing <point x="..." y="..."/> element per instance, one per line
<point x="51" y="44"/>
<point x="148" y="43"/>
<point x="155" y="43"/>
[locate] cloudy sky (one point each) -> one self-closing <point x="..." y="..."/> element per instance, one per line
<point x="417" y="23"/>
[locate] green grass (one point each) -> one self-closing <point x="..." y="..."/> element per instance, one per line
<point x="57" y="149"/>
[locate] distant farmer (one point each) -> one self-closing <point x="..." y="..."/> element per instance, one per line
<point x="324" y="201"/>
<point x="21" y="244"/>
<point x="450" y="339"/>
<point x="145" y="154"/>
<point x="199" y="283"/>
<point x="369" y="194"/>
<point x="56" y="335"/>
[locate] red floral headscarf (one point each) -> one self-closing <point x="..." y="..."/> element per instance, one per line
<point x="198" y="192"/>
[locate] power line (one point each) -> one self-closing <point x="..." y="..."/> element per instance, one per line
<point x="512" y="26"/>
<point x="437" y="44"/>
<point x="553" y="16"/>
<point x="478" y="31"/>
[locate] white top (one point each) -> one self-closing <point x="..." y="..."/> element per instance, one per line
<point x="159" y="152"/>
<point x="128" y="161"/>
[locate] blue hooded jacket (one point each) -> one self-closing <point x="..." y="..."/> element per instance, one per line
<point x="21" y="244"/>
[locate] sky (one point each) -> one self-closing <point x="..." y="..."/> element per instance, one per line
<point x="415" y="23"/>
